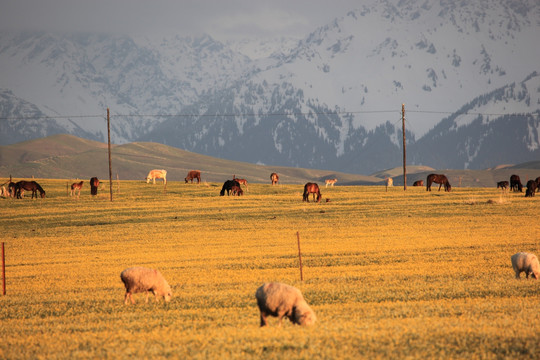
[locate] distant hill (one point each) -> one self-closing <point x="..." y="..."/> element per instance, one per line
<point x="69" y="157"/>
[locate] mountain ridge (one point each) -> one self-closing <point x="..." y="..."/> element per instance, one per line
<point x="132" y="161"/>
<point x="331" y="100"/>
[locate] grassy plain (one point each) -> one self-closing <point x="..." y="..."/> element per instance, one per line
<point x="397" y="274"/>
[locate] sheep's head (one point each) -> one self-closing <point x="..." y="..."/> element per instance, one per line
<point x="303" y="314"/>
<point x="167" y="294"/>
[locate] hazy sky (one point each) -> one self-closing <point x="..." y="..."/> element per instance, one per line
<point x="222" y="19"/>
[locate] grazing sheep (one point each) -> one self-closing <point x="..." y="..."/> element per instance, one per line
<point x="526" y="262"/>
<point x="140" y="279"/>
<point x="277" y="299"/>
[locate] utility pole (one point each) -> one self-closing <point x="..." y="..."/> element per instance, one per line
<point x="404" y="148"/>
<point x="109" y="141"/>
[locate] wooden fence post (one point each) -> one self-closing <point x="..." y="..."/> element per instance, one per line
<point x="300" y="256"/>
<point x="3" y="270"/>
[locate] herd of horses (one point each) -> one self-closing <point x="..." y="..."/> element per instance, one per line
<point x="17" y="189"/>
<point x="515" y="185"/>
<point x="234" y="186"/>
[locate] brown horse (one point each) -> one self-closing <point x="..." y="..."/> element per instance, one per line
<point x="94" y="183"/>
<point x="30" y="186"/>
<point x="311" y="188"/>
<point x="502" y="184"/>
<point x="438" y="179"/>
<point x="274" y="178"/>
<point x="236" y="190"/>
<point x="76" y="188"/>
<point x="418" y="183"/>
<point x="193" y="174"/>
<point x="531" y="188"/>
<point x="515" y="183"/>
<point x="241" y="181"/>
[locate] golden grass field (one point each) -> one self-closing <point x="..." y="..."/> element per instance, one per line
<point x="397" y="274"/>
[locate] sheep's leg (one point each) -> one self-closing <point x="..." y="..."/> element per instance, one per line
<point x="263" y="319"/>
<point x="128" y="295"/>
<point x="280" y="316"/>
<point x="147" y="294"/>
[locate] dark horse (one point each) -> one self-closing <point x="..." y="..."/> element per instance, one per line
<point x="515" y="183"/>
<point x="311" y="188"/>
<point x="438" y="179"/>
<point x="29" y="186"/>
<point x="227" y="186"/>
<point x="502" y="184"/>
<point x="94" y="184"/>
<point x="531" y="188"/>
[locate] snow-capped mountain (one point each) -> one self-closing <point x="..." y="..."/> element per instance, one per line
<point x="483" y="133"/>
<point x="331" y="100"/>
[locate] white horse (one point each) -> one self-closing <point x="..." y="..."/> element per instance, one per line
<point x="330" y="182"/>
<point x="157" y="174"/>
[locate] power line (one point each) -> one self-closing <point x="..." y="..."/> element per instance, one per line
<point x="47" y="117"/>
<point x="284" y="114"/>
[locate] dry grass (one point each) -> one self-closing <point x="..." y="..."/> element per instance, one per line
<point x="390" y="274"/>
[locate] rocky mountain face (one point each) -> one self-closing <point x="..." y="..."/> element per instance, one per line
<point x="466" y="71"/>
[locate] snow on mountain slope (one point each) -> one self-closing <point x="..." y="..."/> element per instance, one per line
<point x="320" y="101"/>
<point x="428" y="55"/>
<point x="495" y="128"/>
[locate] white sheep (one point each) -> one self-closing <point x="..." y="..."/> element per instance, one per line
<point x="278" y="299"/>
<point x="140" y="279"/>
<point x="526" y="262"/>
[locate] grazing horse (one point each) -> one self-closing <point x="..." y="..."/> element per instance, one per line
<point x="241" y="181"/>
<point x="503" y="185"/>
<point x="30" y="186"/>
<point x="531" y="188"/>
<point x="236" y="190"/>
<point x="11" y="189"/>
<point x="193" y="174"/>
<point x="94" y="183"/>
<point x="76" y="187"/>
<point x="274" y="178"/>
<point x="418" y="183"/>
<point x="515" y="183"/>
<point x="311" y="188"/>
<point x="157" y="174"/>
<point x="227" y="186"/>
<point x="330" y="182"/>
<point x="438" y="179"/>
